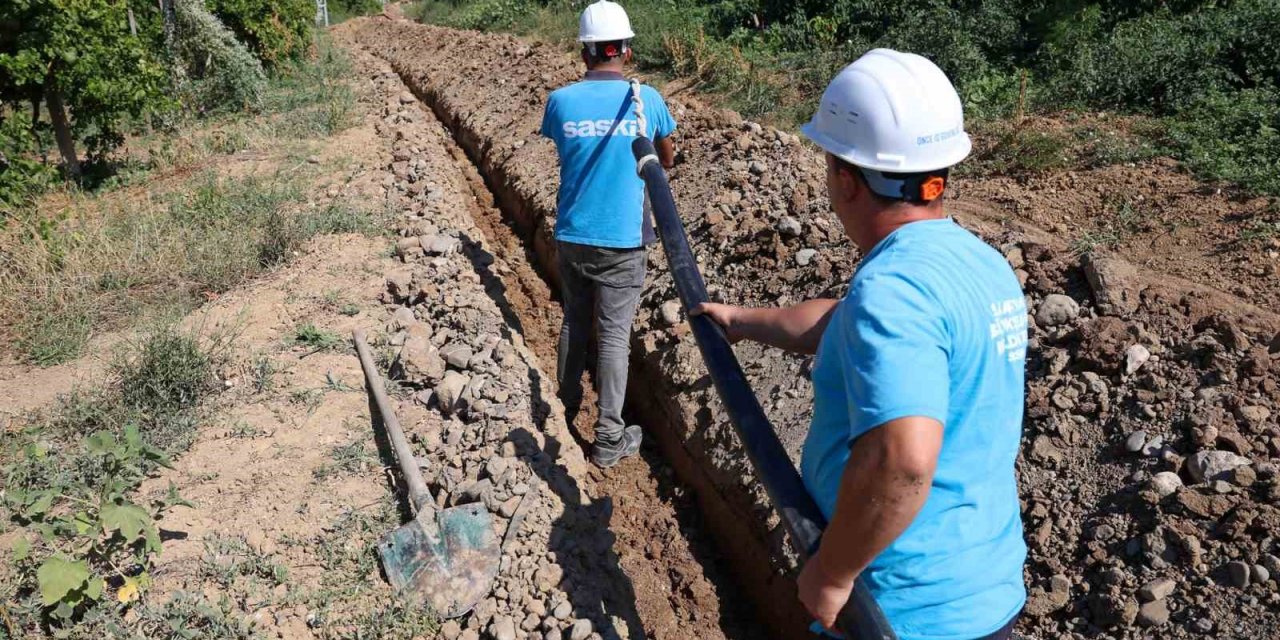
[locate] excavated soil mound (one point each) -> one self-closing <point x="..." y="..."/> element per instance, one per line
<point x="1148" y="476"/>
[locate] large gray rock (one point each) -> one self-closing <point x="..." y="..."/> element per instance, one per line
<point x="450" y="389"/>
<point x="1057" y="309"/>
<point x="400" y="283"/>
<point x="1165" y="483"/>
<point x="1154" y="613"/>
<point x="1206" y="466"/>
<point x="1114" y="284"/>
<point x="805" y="256"/>
<point x="789" y="227"/>
<point x="1157" y="589"/>
<point x="420" y="359"/>
<point x="1134" y="357"/>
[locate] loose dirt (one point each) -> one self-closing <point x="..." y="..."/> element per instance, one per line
<point x="1156" y="371"/>
<point x="1149" y="482"/>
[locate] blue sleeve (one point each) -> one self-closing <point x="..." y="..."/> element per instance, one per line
<point x="550" y="126"/>
<point x="659" y="117"/>
<point x="896" y="359"/>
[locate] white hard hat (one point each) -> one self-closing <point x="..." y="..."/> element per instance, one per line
<point x="604" y="21"/>
<point x="891" y="111"/>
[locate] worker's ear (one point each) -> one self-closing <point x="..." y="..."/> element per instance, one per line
<point x="626" y="56"/>
<point x="842" y="184"/>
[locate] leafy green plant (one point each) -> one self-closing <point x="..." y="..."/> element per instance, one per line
<point x="90" y="537"/>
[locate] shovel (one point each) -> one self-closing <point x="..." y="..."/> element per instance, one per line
<point x="447" y="558"/>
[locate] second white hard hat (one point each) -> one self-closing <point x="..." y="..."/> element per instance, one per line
<point x="891" y="111"/>
<point x="604" y="21"/>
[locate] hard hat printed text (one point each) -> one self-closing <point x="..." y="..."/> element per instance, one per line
<point x="940" y="136"/>
<point x="1009" y="328"/>
<point x="600" y="128"/>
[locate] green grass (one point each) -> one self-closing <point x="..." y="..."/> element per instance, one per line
<point x="1201" y="74"/>
<point x="1121" y="220"/>
<point x="312" y="337"/>
<point x="106" y="266"/>
<point x="231" y="563"/>
<point x="347" y="460"/>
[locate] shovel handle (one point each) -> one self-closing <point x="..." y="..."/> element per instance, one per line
<point x="419" y="496"/>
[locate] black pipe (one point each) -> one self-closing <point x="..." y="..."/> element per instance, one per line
<point x="861" y="618"/>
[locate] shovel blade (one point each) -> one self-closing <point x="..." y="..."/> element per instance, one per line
<point x="447" y="559"/>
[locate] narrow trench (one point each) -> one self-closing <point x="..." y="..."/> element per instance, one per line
<point x="643" y="494"/>
<point x="663" y="505"/>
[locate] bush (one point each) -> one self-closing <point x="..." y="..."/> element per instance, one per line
<point x="1232" y="136"/>
<point x="22" y="173"/>
<point x="223" y="72"/>
<point x="275" y="31"/>
<point x="340" y="10"/>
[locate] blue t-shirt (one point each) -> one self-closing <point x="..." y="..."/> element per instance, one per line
<point x="593" y="123"/>
<point x="934" y="325"/>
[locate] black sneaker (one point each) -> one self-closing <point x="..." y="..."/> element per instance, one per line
<point x="606" y="455"/>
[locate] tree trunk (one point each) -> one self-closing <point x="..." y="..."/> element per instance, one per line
<point x="35" y="131"/>
<point x="62" y="130"/>
<point x="170" y="19"/>
<point x="133" y="24"/>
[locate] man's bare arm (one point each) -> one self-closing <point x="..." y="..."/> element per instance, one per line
<point x="884" y="486"/>
<point x="666" y="152"/>
<point x="796" y="328"/>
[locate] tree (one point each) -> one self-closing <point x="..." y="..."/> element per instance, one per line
<point x="80" y="59"/>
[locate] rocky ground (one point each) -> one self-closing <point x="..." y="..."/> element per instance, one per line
<point x="1148" y="477"/>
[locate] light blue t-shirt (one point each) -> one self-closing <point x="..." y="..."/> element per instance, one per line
<point x="593" y="123"/>
<point x="934" y="325"/>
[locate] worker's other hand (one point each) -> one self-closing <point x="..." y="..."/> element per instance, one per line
<point x="723" y="315"/>
<point x="823" y="595"/>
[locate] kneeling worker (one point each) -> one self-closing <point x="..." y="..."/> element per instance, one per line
<point x="602" y="227"/>
<point x="918" y="380"/>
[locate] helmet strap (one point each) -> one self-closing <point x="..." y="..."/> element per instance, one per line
<point x="623" y="47"/>
<point x="917" y="188"/>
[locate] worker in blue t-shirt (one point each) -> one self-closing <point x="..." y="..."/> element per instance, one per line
<point x="918" y="380"/>
<point x="602" y="224"/>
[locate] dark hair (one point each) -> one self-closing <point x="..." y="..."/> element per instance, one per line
<point x="913" y="187"/>
<point x="602" y="50"/>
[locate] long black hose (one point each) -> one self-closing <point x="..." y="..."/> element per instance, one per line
<point x="861" y="618"/>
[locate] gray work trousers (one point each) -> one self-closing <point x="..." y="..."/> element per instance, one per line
<point x="608" y="282"/>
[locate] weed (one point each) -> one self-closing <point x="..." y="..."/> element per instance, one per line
<point x="1121" y="221"/>
<point x="263" y="372"/>
<point x="70" y="473"/>
<point x="55" y="331"/>
<point x="350" y="309"/>
<point x="229" y="558"/>
<point x="242" y="429"/>
<point x="1260" y="232"/>
<point x="347" y="460"/>
<point x="192" y="617"/>
<point x="334" y="384"/>
<point x="309" y="398"/>
<point x="308" y="335"/>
